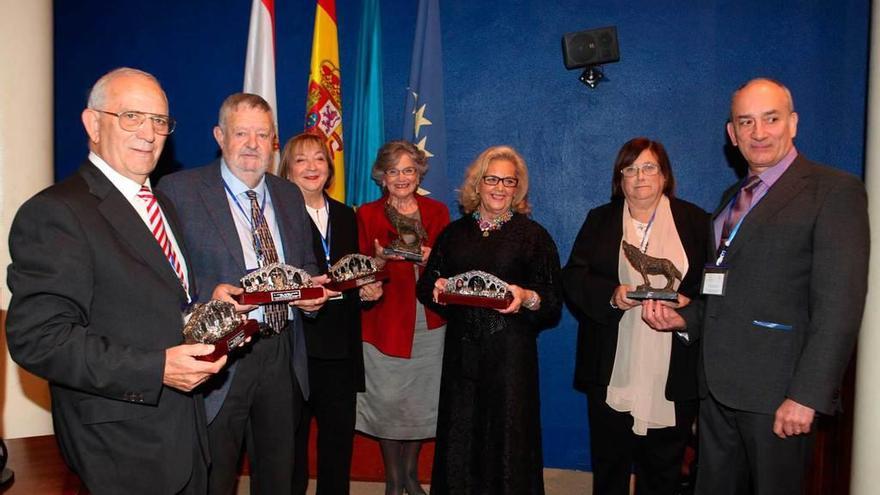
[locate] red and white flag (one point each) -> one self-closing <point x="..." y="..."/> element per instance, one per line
<point x="259" y="66"/>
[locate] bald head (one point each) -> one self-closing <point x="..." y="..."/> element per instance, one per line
<point x="763" y="123"/>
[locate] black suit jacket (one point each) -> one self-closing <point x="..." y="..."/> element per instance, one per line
<point x="335" y="333"/>
<point x="95" y="304"/>
<point x="209" y="228"/>
<point x="799" y="260"/>
<point x="590" y="278"/>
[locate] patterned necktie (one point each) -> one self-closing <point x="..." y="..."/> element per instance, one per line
<point x="157" y="226"/>
<point x="274" y="314"/>
<point x="742" y="205"/>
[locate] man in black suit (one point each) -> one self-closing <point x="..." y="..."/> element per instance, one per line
<point x="96" y="305"/>
<point x="260" y="397"/>
<point x="782" y="305"/>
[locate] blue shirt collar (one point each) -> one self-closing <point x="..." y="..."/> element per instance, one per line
<point x="238" y="187"/>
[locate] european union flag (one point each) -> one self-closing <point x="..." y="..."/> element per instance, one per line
<point x="424" y="119"/>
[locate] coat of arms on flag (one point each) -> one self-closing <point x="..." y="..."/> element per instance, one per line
<point x="324" y="105"/>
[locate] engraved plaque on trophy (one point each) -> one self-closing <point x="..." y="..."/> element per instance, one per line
<point x="353" y="271"/>
<point x="216" y="322"/>
<point x="649" y="265"/>
<point x="476" y="288"/>
<point x="411" y="234"/>
<point x="277" y="282"/>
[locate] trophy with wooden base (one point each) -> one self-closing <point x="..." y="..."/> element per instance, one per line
<point x="410" y="236"/>
<point x="277" y="282"/>
<point x="216" y="322"/>
<point x="353" y="271"/>
<point x="476" y="288"/>
<point x="649" y="265"/>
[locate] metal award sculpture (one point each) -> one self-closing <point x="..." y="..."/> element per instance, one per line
<point x="353" y="271"/>
<point x="410" y="235"/>
<point x="649" y="265"/>
<point x="476" y="288"/>
<point x="277" y="282"/>
<point x="216" y="322"/>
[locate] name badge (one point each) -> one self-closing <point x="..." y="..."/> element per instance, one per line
<point x="714" y="280"/>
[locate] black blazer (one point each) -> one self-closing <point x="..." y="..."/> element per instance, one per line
<point x="590" y="277"/>
<point x="209" y="228"/>
<point x="95" y="304"/>
<point x="335" y="333"/>
<point x="799" y="261"/>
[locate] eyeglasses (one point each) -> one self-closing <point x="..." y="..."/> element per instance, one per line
<point x="493" y="180"/>
<point x="132" y="120"/>
<point x="648" y="169"/>
<point x="408" y="171"/>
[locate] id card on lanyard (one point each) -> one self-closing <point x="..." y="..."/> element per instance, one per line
<point x="715" y="274"/>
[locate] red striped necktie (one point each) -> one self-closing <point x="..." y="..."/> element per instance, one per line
<point x="157" y="226"/>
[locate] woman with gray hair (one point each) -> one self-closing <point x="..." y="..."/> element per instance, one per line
<point x="403" y="340"/>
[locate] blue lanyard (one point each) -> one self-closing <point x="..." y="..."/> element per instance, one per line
<point x="258" y="248"/>
<point x="643" y="247"/>
<point x="725" y="244"/>
<point x="325" y="241"/>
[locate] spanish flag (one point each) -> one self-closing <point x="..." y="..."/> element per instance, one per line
<point x="324" y="102"/>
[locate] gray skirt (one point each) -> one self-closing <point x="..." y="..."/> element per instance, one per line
<point x="400" y="402"/>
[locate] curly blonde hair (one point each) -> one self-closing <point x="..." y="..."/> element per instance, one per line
<point x="468" y="194"/>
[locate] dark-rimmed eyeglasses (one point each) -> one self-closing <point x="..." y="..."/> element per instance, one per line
<point x="408" y="172"/>
<point x="647" y="169"/>
<point x="132" y="120"/>
<point x="493" y="180"/>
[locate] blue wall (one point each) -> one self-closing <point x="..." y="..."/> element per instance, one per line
<point x="505" y="83"/>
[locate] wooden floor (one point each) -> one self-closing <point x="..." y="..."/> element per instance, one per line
<point x="39" y="470"/>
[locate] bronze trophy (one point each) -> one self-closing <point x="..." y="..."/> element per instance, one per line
<point x="410" y="236"/>
<point x="649" y="265"/>
<point x="277" y="282"/>
<point x="353" y="271"/>
<point x="476" y="288"/>
<point x="216" y="322"/>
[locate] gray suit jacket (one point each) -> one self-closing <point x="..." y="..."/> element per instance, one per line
<point x="95" y="303"/>
<point x="800" y="261"/>
<point x="217" y="257"/>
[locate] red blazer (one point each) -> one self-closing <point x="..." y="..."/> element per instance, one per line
<point x="389" y="324"/>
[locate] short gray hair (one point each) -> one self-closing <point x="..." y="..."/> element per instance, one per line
<point x="249" y="100"/>
<point x="764" y="80"/>
<point x="98" y="93"/>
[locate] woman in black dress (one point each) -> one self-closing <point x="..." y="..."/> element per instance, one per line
<point x="489" y="426"/>
<point x="333" y="336"/>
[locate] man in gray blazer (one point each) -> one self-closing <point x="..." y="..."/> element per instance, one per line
<point x="96" y="304"/>
<point x="782" y="304"/>
<point x="259" y="399"/>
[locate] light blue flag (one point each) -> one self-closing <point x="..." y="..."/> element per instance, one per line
<point x="367" y="121"/>
<point x="424" y="118"/>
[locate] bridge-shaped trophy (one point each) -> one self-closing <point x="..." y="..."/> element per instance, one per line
<point x="476" y="288"/>
<point x="353" y="271"/>
<point x="277" y="282"/>
<point x="216" y="322"/>
<point x="649" y="265"/>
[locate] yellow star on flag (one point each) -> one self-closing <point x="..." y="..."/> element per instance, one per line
<point x="420" y="119"/>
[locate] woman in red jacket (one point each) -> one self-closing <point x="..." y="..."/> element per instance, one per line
<point x="403" y="341"/>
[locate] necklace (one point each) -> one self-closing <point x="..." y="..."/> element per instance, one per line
<point x="487" y="226"/>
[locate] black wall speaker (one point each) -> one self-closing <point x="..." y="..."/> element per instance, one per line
<point x="590" y="47"/>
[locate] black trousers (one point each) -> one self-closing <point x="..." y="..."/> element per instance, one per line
<point x="261" y="407"/>
<point x="616" y="450"/>
<point x="332" y="403"/>
<point x="740" y="454"/>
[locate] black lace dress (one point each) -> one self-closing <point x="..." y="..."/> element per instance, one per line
<point x="489" y="426"/>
